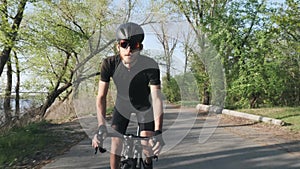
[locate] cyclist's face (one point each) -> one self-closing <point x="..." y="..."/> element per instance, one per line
<point x="128" y="50"/>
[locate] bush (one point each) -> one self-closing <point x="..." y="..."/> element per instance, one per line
<point x="171" y="90"/>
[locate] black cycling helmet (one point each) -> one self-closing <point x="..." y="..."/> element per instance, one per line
<point x="130" y="31"/>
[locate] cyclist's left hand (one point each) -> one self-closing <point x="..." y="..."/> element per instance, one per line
<point x="157" y="148"/>
<point x="158" y="142"/>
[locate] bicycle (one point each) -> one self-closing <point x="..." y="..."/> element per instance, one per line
<point x="132" y="155"/>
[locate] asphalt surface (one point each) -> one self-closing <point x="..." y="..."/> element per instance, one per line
<point x="195" y="142"/>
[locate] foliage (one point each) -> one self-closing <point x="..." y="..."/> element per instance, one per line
<point x="201" y="15"/>
<point x="12" y="13"/>
<point x="57" y="39"/>
<point x="189" y="87"/>
<point x="200" y="74"/>
<point x="53" y="37"/>
<point x="171" y="89"/>
<point x="257" y="43"/>
<point x="287" y="51"/>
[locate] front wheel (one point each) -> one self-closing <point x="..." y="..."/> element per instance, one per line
<point x="129" y="164"/>
<point x="125" y="166"/>
<point x="139" y="163"/>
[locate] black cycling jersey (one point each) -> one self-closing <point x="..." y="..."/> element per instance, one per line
<point x="133" y="92"/>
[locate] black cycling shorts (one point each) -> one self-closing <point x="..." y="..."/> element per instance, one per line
<point x="120" y="121"/>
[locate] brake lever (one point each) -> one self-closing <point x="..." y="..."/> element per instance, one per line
<point x="102" y="150"/>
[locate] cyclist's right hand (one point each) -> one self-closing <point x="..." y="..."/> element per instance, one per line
<point x="95" y="141"/>
<point x="99" y="136"/>
<point x="102" y="132"/>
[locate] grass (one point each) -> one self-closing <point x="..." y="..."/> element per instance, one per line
<point x="19" y="143"/>
<point x="290" y="115"/>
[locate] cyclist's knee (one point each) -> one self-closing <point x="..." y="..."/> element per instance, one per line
<point x="116" y="145"/>
<point x="146" y="133"/>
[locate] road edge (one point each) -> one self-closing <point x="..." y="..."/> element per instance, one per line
<point x="218" y="110"/>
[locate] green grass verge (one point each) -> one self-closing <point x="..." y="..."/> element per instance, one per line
<point x="290" y="115"/>
<point x="20" y="143"/>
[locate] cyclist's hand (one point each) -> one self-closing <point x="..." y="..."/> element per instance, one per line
<point x="157" y="148"/>
<point x="99" y="136"/>
<point x="102" y="132"/>
<point x="158" y="142"/>
<point x="95" y="141"/>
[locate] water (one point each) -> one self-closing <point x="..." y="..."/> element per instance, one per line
<point x="25" y="104"/>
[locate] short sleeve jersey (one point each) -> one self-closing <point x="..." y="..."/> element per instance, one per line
<point x="132" y="85"/>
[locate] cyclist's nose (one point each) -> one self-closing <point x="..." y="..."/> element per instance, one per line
<point x="129" y="47"/>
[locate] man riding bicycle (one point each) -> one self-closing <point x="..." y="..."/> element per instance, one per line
<point x="137" y="80"/>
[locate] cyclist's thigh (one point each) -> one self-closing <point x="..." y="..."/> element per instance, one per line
<point x="119" y="122"/>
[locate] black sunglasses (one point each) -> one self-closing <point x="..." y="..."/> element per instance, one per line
<point x="133" y="45"/>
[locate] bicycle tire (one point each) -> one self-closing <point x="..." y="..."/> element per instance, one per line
<point x="129" y="164"/>
<point x="139" y="163"/>
<point x="125" y="166"/>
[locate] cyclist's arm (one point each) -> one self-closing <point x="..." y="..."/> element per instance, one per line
<point x="157" y="106"/>
<point x="101" y="102"/>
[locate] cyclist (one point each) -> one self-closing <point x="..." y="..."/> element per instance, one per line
<point x="137" y="80"/>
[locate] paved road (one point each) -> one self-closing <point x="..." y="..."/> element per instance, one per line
<point x="196" y="142"/>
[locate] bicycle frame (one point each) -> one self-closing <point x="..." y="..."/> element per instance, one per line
<point x="132" y="152"/>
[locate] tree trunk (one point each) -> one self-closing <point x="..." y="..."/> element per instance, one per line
<point x="206" y="97"/>
<point x="17" y="90"/>
<point x="4" y="57"/>
<point x="7" y="97"/>
<point x="51" y="98"/>
<point x="253" y="102"/>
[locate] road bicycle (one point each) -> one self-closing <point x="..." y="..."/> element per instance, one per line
<point x="132" y="153"/>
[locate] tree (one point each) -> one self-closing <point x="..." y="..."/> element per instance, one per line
<point x="286" y="47"/>
<point x="168" y="47"/>
<point x="17" y="88"/>
<point x="198" y="14"/>
<point x="260" y="72"/>
<point x="11" y="18"/>
<point x="7" y="97"/>
<point x="58" y="41"/>
<point x="188" y="43"/>
<point x="70" y="44"/>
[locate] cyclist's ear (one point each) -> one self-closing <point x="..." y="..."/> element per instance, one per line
<point x="141" y="46"/>
<point x="118" y="47"/>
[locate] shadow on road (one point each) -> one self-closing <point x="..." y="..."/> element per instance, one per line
<point x="247" y="158"/>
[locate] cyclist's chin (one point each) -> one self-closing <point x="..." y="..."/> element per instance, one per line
<point x="129" y="59"/>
